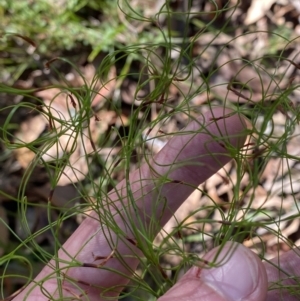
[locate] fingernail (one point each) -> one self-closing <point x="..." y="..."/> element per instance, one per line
<point x="237" y="274"/>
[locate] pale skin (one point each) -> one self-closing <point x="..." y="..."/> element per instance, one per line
<point x="186" y="161"/>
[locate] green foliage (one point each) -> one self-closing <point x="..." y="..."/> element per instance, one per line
<point x="156" y="58"/>
<point x="58" y="25"/>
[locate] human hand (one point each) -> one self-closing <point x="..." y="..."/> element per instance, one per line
<point x="96" y="262"/>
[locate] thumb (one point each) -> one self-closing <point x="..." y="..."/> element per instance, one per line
<point x="238" y="275"/>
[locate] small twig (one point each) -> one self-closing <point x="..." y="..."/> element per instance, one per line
<point x="99" y="265"/>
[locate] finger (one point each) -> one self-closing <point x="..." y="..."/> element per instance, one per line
<point x="239" y="275"/>
<point x="187" y="160"/>
<point x="284" y="276"/>
<point x="153" y="192"/>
